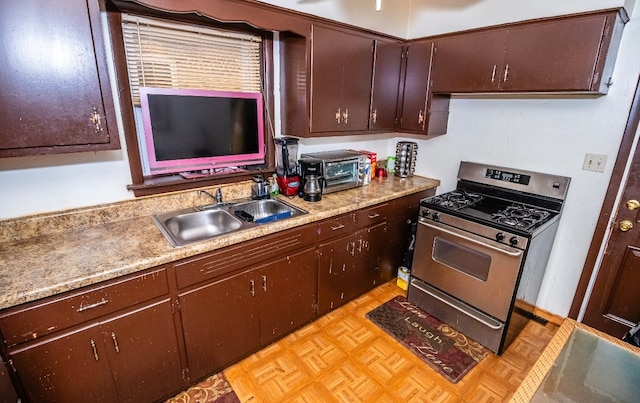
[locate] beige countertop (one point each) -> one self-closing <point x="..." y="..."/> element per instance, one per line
<point x="47" y="254"/>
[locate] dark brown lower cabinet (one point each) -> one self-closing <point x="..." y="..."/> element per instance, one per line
<point x="287" y="294"/>
<point x="230" y="318"/>
<point x="368" y="272"/>
<point x="405" y="212"/>
<point x="349" y="266"/>
<point x="7" y="391"/>
<point x="132" y="357"/>
<point x="220" y="323"/>
<point x="336" y="262"/>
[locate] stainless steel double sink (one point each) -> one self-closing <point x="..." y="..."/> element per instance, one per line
<point x="185" y="226"/>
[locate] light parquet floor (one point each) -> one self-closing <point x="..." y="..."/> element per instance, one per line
<point x="343" y="357"/>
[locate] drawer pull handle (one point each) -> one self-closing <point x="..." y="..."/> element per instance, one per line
<point x="97" y="304"/>
<point x="95" y="352"/>
<point x="264" y="283"/>
<point x="372" y="216"/>
<point x="337" y="227"/>
<point x="115" y="342"/>
<point x="253" y="288"/>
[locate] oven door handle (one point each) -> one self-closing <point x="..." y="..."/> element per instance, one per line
<point x="496" y="326"/>
<point x="514" y="253"/>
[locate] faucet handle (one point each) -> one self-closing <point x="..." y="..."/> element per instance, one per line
<point x="219" y="196"/>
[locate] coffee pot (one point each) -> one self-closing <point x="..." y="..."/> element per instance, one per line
<point x="312" y="180"/>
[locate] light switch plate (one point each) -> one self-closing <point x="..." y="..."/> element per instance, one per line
<point x="594" y="162"/>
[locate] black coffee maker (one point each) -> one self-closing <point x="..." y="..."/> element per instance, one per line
<point x="311" y="179"/>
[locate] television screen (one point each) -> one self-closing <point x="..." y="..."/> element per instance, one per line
<point x="191" y="130"/>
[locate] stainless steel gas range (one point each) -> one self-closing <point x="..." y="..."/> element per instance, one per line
<point x="481" y="250"/>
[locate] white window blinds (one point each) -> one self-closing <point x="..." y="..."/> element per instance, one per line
<point x="171" y="55"/>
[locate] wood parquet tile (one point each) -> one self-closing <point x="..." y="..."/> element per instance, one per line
<point x="343" y="357"/>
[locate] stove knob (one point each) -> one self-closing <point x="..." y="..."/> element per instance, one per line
<point x="435" y="216"/>
<point x="500" y="236"/>
<point x="514" y="240"/>
<point x="425" y="213"/>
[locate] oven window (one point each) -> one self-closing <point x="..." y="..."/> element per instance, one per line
<point x="466" y="260"/>
<point x="340" y="173"/>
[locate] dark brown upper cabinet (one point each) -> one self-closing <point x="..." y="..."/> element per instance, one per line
<point x="56" y="95"/>
<point x="387" y="69"/>
<point x="571" y="54"/>
<point x="331" y="93"/>
<point x="421" y="112"/>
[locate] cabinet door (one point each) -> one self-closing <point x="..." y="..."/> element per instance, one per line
<point x="73" y="367"/>
<point x="287" y="289"/>
<point x="399" y="230"/>
<point x="559" y="55"/>
<point x="370" y="249"/>
<point x="7" y="391"/>
<point x="143" y="351"/>
<point x="220" y="323"/>
<point x="336" y="261"/>
<point x="416" y="85"/>
<point x="53" y="78"/>
<point x="342" y="65"/>
<point x="386" y="85"/>
<point x="470" y="62"/>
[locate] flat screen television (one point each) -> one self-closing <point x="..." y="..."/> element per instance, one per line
<point x="189" y="130"/>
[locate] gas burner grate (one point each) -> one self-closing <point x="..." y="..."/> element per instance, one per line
<point x="520" y="216"/>
<point x="456" y="200"/>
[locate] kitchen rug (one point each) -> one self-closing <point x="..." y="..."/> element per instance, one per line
<point x="443" y="348"/>
<point x="213" y="389"/>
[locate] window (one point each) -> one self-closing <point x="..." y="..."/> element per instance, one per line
<point x="171" y="55"/>
<point x="167" y="54"/>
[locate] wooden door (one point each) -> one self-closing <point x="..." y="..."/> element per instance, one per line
<point x="560" y="55"/>
<point x="335" y="264"/>
<point x="614" y="303"/>
<point x="370" y="251"/>
<point x="386" y="85"/>
<point x="143" y="351"/>
<point x="470" y="62"/>
<point x="342" y="67"/>
<point x="356" y="91"/>
<point x="287" y="289"/>
<point x="52" y="79"/>
<point x="414" y="113"/>
<point x="220" y="323"/>
<point x="73" y="367"/>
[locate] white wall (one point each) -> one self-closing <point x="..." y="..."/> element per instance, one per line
<point x="499" y="130"/>
<point x="549" y="134"/>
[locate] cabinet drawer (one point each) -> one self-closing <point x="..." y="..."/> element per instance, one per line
<point x="337" y="226"/>
<point x="52" y="314"/>
<point x="371" y="215"/>
<point x="210" y="265"/>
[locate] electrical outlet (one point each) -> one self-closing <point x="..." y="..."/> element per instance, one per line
<point x="594" y="162"/>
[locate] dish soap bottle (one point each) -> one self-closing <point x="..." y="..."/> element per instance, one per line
<point x="274" y="191"/>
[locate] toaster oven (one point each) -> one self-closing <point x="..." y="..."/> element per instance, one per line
<point x="341" y="169"/>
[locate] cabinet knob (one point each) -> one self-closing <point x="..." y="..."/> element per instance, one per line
<point x="95" y="351"/>
<point x="632" y="204"/>
<point x="374" y="116"/>
<point x="420" y="117"/>
<point x="96" y="120"/>
<point x="345" y="116"/>
<point x="625" y="225"/>
<point x="338" y="115"/>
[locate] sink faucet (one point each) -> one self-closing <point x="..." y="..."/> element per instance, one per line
<point x="217" y="197"/>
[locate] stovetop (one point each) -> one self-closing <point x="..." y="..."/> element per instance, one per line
<point x="497" y="212"/>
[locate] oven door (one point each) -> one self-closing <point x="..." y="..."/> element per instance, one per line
<point x="473" y="269"/>
<point x="341" y="175"/>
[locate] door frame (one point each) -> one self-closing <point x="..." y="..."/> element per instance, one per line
<point x="591" y="268"/>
